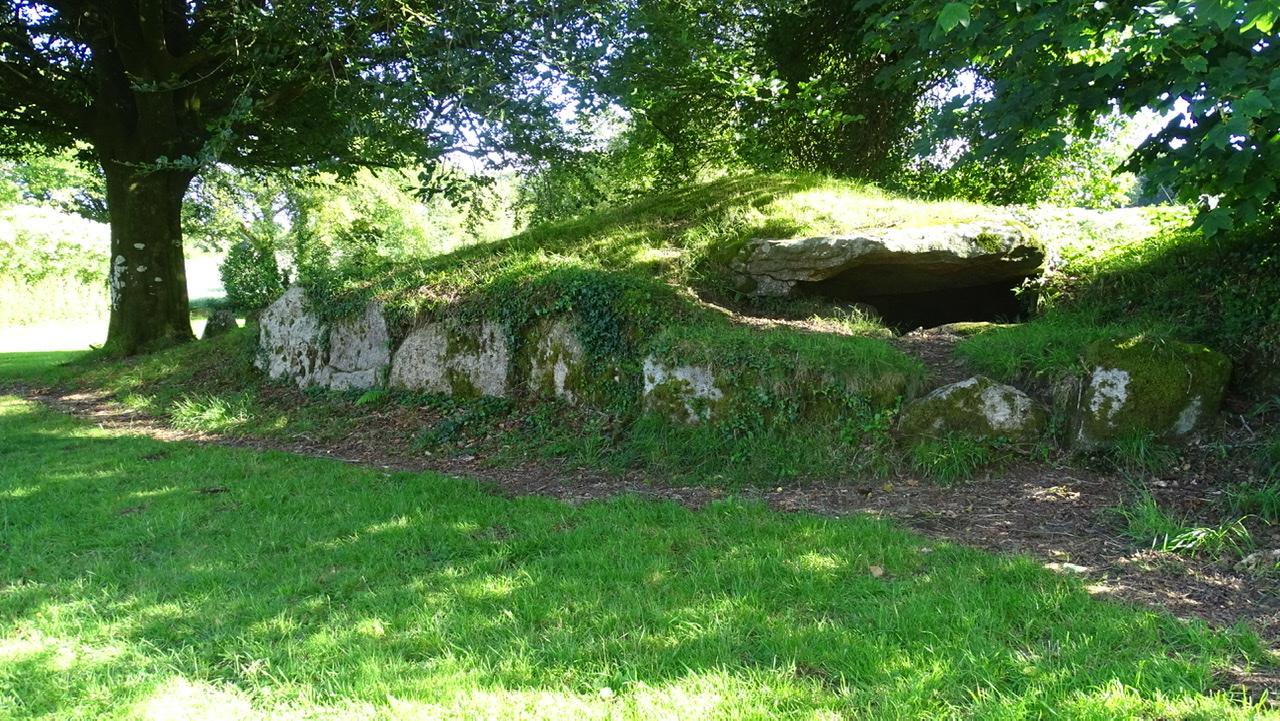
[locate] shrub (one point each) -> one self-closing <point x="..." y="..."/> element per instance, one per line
<point x="251" y="277"/>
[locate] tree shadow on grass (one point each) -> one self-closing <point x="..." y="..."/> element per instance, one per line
<point x="132" y="565"/>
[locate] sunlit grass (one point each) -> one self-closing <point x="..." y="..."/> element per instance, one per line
<point x="144" y="579"/>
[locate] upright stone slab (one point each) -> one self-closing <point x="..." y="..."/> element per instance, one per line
<point x="290" y="340"/>
<point x="1165" y="388"/>
<point x="684" y="393"/>
<point x="458" y="359"/>
<point x="295" y="345"/>
<point x="359" y="350"/>
<point x="557" y="362"/>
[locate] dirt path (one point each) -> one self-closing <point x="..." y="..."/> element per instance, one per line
<point x="1057" y="514"/>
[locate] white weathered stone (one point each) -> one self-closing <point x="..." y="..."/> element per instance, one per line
<point x="1108" y="392"/>
<point x="694" y="387"/>
<point x="1189" y="417"/>
<point x="290" y="338"/>
<point x="454" y="359"/>
<point x="359" y="350"/>
<point x="293" y="345"/>
<point x="557" y="354"/>
<point x="975" y="406"/>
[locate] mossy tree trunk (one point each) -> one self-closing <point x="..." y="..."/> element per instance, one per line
<point x="149" y="304"/>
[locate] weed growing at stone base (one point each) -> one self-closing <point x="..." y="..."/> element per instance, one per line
<point x="1261" y="499"/>
<point x="950" y="459"/>
<point x="1139" y="454"/>
<point x="1150" y="525"/>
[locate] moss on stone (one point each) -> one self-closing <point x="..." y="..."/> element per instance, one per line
<point x="1145" y="385"/>
<point x="975" y="408"/>
<point x="460" y="384"/>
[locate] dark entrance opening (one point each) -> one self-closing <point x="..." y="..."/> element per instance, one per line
<point x="916" y="307"/>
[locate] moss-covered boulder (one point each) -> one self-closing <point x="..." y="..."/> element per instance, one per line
<point x="977" y="407"/>
<point x="221" y="322"/>
<point x="1141" y="385"/>
<point x="455" y="358"/>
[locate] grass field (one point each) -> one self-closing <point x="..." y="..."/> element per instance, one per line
<point x="144" y="579"/>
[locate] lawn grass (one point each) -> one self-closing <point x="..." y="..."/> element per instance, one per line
<point x="144" y="579"/>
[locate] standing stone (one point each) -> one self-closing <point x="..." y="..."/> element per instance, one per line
<point x="290" y="340"/>
<point x="685" y="393"/>
<point x="295" y="345"/>
<point x="1165" y="388"/>
<point x="221" y="322"/>
<point x="557" y="361"/>
<point x="359" y="350"/>
<point x="459" y="359"/>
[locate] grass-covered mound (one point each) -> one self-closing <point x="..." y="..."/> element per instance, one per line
<point x="681" y="238"/>
<point x="1222" y="291"/>
<point x="636" y="280"/>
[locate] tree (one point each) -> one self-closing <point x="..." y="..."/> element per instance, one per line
<point x="1046" y="70"/>
<point x="160" y="89"/>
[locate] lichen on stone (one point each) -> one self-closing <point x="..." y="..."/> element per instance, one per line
<point x="1144" y="385"/>
<point x="976" y="407"/>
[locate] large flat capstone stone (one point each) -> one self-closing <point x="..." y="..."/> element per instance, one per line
<point x="893" y="261"/>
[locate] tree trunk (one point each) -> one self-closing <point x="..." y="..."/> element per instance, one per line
<point x="149" y="304"/>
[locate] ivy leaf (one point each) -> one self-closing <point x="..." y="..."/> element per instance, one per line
<point x="953" y="14"/>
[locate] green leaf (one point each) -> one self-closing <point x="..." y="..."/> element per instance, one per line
<point x="1195" y="64"/>
<point x="1263" y="21"/>
<point x="953" y="15"/>
<point x="1253" y="104"/>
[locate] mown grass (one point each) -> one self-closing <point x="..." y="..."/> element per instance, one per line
<point x="144" y="579"/>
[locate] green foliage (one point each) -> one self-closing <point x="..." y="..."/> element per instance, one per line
<point x="1048" y="69"/>
<point x="951" y="458"/>
<point x="52" y="266"/>
<point x="67" y="181"/>
<point x="251" y="277"/>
